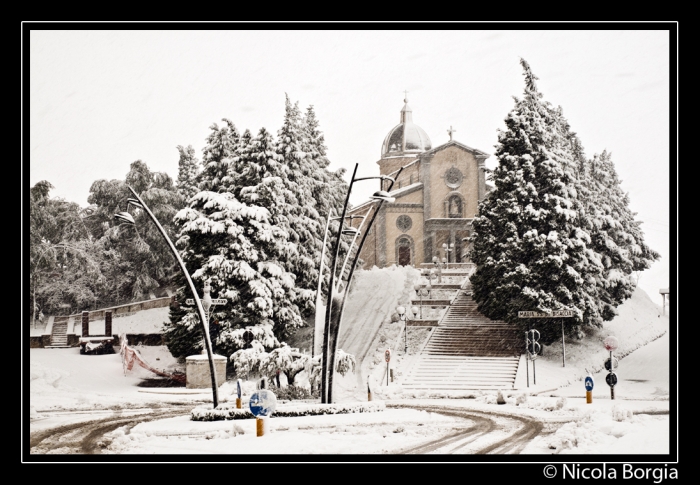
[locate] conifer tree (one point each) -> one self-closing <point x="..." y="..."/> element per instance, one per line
<point x="529" y="251"/>
<point x="188" y="170"/>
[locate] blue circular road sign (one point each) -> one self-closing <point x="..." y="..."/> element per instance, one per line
<point x="588" y="382"/>
<point x="263" y="403"/>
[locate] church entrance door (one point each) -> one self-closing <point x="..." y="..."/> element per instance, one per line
<point x="404" y="255"/>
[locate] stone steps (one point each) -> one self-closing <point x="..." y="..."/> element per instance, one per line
<point x="467" y="351"/>
<point x="462" y="373"/>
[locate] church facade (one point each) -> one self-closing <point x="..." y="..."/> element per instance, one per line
<point x="436" y="196"/>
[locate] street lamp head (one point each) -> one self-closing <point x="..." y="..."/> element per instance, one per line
<point x="444" y="245"/>
<point x="124" y="217"/>
<point x="350" y="231"/>
<point x="415" y="311"/>
<point x="416" y="287"/>
<point x="134" y="202"/>
<point x="401" y="311"/>
<point x="382" y="195"/>
<point x="444" y="260"/>
<point x="435" y="259"/>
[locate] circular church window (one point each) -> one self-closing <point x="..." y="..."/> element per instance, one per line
<point x="453" y="177"/>
<point x="404" y="223"/>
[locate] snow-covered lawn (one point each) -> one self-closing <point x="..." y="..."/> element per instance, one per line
<point x="65" y="386"/>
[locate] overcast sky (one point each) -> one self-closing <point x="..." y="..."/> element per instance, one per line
<point x="100" y="100"/>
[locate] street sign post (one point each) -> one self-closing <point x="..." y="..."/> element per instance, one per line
<point x="532" y="349"/>
<point x="611" y="343"/>
<point x="262" y="404"/>
<point x="588" y="382"/>
<point x="207" y="303"/>
<point x="387" y="357"/>
<point x="552" y="314"/>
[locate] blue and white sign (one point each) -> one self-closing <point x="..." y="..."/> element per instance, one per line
<point x="263" y="403"/>
<point x="588" y="382"/>
<point x="238" y="388"/>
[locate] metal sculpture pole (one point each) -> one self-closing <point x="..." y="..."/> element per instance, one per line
<point x="329" y="304"/>
<point x="320" y="280"/>
<point x="200" y="309"/>
<point x="336" y="330"/>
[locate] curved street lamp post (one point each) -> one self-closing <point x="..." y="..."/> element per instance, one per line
<point x="402" y="316"/>
<point x="421" y="292"/>
<point x="128" y="218"/>
<point x="334" y="316"/>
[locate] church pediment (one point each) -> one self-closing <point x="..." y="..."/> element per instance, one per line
<point x="453" y="143"/>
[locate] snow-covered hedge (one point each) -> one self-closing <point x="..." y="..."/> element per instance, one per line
<point x="229" y="411"/>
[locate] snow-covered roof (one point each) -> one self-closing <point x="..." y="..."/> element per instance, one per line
<point x="475" y="151"/>
<point x="394" y="193"/>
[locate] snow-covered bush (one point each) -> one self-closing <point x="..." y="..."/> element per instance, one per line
<point x="227" y="411"/>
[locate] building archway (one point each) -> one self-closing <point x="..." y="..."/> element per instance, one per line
<point x="405" y="250"/>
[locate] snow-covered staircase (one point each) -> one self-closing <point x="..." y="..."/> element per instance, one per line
<point x="444" y="372"/>
<point x="467" y="351"/>
<point x="59" y="337"/>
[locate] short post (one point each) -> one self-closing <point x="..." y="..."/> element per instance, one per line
<point x="108" y="323"/>
<point x="369" y="391"/>
<point x="260" y="425"/>
<point x="387" y="357"/>
<point x="588" y="383"/>
<point x="239" y="393"/>
<point x="391" y="373"/>
<point x="85" y="323"/>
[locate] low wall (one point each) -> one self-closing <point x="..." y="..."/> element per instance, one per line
<point x="149" y="339"/>
<point x="127" y="309"/>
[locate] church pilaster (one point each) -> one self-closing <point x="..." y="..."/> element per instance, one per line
<point x="381" y="235"/>
<point x="425" y="178"/>
<point x="481" y="164"/>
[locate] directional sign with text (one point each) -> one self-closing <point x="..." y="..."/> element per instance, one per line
<point x="554" y="314"/>
<point x="214" y="301"/>
<point x="588" y="382"/>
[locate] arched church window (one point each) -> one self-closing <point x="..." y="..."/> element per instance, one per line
<point x="454" y="207"/>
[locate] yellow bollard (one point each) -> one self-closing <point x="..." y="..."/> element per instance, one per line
<point x="589" y="397"/>
<point x="260" y="426"/>
<point x="238" y="403"/>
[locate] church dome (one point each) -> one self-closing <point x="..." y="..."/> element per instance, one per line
<point x="406" y="137"/>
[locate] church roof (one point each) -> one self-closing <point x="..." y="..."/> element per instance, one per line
<point x="474" y="151"/>
<point x="406" y="137"/>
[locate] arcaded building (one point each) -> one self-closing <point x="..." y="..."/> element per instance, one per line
<point x="436" y="196"/>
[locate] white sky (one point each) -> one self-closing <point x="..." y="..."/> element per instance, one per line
<point x="100" y="100"/>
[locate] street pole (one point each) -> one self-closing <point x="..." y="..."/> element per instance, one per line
<point x="329" y="306"/>
<point x="351" y="272"/>
<point x="320" y="280"/>
<point x="200" y="309"/>
<point x="527" y="358"/>
<point x="563" y="345"/>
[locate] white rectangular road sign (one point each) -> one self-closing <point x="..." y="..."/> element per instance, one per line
<point x="554" y="314"/>
<point x="214" y="301"/>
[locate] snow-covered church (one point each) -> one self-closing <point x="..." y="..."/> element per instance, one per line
<point x="436" y="198"/>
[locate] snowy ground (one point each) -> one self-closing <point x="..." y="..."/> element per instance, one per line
<point x="66" y="387"/>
